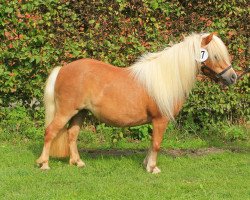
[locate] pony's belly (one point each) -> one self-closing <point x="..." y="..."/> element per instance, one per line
<point x="123" y="123"/>
<point x="116" y="106"/>
<point x="121" y="119"/>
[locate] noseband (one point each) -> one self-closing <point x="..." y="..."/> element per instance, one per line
<point x="216" y="77"/>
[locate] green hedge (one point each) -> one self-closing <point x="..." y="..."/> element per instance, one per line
<point x="38" y="35"/>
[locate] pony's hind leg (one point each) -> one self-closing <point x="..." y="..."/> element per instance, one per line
<point x="73" y="131"/>
<point x="57" y="124"/>
<point x="159" y="126"/>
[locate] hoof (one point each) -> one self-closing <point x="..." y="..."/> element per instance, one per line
<point x="153" y="170"/>
<point x="156" y="170"/>
<point x="78" y="163"/>
<point x="45" y="166"/>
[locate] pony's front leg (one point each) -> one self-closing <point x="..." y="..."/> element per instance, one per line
<point x="74" y="129"/>
<point x="159" y="126"/>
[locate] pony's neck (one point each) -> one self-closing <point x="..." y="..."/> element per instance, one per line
<point x="169" y="75"/>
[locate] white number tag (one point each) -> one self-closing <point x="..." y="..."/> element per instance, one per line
<point x="204" y="55"/>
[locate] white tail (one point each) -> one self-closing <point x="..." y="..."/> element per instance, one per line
<point x="59" y="146"/>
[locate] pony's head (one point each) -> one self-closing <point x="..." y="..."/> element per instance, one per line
<point x="216" y="61"/>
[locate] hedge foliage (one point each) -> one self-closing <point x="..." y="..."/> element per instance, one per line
<point x="38" y="35"/>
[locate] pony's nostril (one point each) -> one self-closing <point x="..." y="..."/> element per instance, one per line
<point x="234" y="76"/>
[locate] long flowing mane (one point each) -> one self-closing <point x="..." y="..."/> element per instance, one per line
<point x="169" y="75"/>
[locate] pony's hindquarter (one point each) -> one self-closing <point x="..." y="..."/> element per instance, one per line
<point x="59" y="146"/>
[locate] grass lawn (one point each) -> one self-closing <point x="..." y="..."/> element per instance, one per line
<point x="219" y="175"/>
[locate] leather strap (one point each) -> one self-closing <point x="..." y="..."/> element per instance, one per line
<point x="215" y="76"/>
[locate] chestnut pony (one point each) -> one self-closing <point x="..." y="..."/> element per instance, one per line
<point x="152" y="90"/>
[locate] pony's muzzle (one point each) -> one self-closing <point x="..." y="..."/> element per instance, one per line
<point x="229" y="77"/>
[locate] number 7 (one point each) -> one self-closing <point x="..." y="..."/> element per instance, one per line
<point x="202" y="54"/>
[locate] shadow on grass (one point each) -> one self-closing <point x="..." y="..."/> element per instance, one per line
<point x="139" y="154"/>
<point x="36" y="149"/>
<point x="93" y="153"/>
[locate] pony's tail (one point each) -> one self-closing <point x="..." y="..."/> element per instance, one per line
<point x="59" y="146"/>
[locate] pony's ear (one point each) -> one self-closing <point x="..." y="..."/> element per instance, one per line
<point x="215" y="33"/>
<point x="205" y="41"/>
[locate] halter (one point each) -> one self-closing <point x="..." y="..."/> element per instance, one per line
<point x="216" y="77"/>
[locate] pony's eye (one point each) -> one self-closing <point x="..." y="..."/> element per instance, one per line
<point x="216" y="58"/>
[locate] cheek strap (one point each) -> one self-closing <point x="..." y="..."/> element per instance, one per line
<point x="217" y="76"/>
<point x="224" y="71"/>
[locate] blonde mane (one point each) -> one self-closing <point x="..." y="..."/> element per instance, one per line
<point x="169" y="75"/>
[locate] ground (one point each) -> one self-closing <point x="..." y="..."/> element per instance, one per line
<point x="201" y="172"/>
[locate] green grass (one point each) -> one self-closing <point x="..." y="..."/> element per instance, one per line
<point x="222" y="175"/>
<point x="119" y="175"/>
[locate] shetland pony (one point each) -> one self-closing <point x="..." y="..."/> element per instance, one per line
<point x="152" y="90"/>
